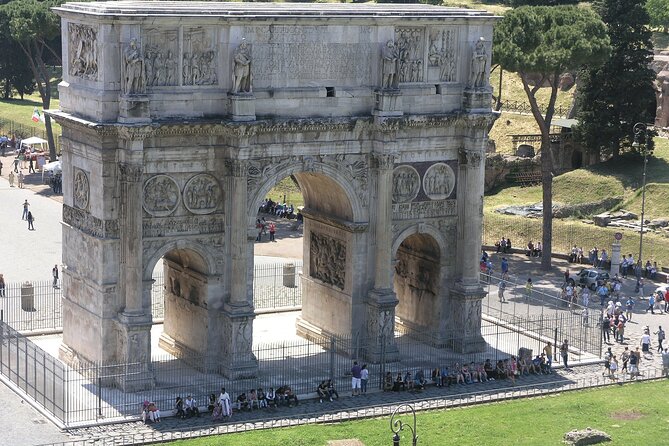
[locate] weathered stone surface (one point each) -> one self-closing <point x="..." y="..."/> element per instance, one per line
<point x="586" y="437"/>
<point x="174" y="131"/>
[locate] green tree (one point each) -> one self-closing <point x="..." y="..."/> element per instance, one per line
<point x="36" y="29"/>
<point x="658" y="11"/>
<point x="14" y="76"/>
<point x="518" y="3"/>
<point x="546" y="41"/>
<point x="615" y="95"/>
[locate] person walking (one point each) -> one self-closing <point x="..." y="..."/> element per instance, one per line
<point x="629" y="305"/>
<point x="26" y="205"/>
<point x="651" y="304"/>
<point x="11" y="179"/>
<point x="30" y="219"/>
<point x="564" y="352"/>
<point x="272" y="231"/>
<point x="2" y="286"/>
<point x="1" y="166"/>
<point x="31" y="165"/>
<point x="21" y="178"/>
<point x="16" y="165"/>
<point x="660" y="339"/>
<point x="505" y="268"/>
<point x="54" y="273"/>
<point x="606" y="328"/>
<point x="528" y="288"/>
<point x="356" y="380"/>
<point x="501" y="287"/>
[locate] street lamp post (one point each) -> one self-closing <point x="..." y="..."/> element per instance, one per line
<point x="397" y="425"/>
<point x="642" y="142"/>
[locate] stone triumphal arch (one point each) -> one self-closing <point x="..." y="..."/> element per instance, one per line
<point x="178" y="118"/>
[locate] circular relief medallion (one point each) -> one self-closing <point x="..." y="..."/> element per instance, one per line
<point x="81" y="189"/>
<point x="406" y="184"/>
<point x="439" y="181"/>
<point x="202" y="194"/>
<point x="161" y="195"/>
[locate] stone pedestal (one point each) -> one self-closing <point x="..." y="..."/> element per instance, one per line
<point x="388" y="103"/>
<point x="380" y="326"/>
<point x="134" y="109"/>
<point x="466" y="319"/>
<point x="134" y="353"/>
<point x="477" y="99"/>
<point x="615" y="258"/>
<point x="243" y="107"/>
<point x="238" y="360"/>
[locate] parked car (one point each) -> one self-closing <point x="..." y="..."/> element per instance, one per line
<point x="590" y="276"/>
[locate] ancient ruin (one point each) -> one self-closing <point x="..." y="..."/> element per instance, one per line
<point x="179" y="117"/>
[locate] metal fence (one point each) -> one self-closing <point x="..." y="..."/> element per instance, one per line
<point x="420" y="402"/>
<point x="23" y="131"/>
<point x="276" y="287"/>
<point x="90" y="393"/>
<point x="568" y="233"/>
<point x="39" y="309"/>
<point x="522" y="107"/>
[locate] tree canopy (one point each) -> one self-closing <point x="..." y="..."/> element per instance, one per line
<point x="612" y="97"/>
<point x="543" y="42"/>
<point x="36" y="30"/>
<point x="658" y="12"/>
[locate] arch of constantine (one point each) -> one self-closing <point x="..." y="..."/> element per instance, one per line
<point x="179" y="117"/>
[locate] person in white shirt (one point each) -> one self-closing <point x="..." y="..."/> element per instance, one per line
<point x="224" y="401"/>
<point x="191" y="407"/>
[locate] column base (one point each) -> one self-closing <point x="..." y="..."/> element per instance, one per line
<point x="381" y="346"/>
<point x="466" y="317"/>
<point x="135" y="370"/>
<point x="243" y="107"/>
<point x="237" y="359"/>
<point x="134" y="109"/>
<point x="388" y="103"/>
<point x="477" y="99"/>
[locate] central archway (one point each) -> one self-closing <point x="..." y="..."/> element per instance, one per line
<point x="331" y="288"/>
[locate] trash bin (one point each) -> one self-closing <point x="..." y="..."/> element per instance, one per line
<point x="27" y="296"/>
<point x="289" y="275"/>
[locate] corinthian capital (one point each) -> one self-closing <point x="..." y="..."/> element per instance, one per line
<point x="471" y="158"/>
<point x="130" y="173"/>
<point x="383" y="160"/>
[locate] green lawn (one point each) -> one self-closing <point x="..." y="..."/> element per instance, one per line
<point x="633" y="414"/>
<point x="20" y="112"/>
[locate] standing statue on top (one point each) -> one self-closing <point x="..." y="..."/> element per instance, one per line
<point x="133" y="81"/>
<point x="242" y="69"/>
<point x="390" y="68"/>
<point x="479" y="61"/>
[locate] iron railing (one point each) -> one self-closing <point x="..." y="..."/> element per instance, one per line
<point x="276" y="287"/>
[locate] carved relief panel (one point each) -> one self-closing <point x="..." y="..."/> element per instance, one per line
<point x="81" y="189"/>
<point x="411" y="47"/>
<point x="202" y="194"/>
<point x="439" y="181"/>
<point x="199" y="58"/>
<point x="328" y="259"/>
<point x="442" y="55"/>
<point x="406" y="184"/>
<point x="83" y="49"/>
<point x="161" y="195"/>
<point x="161" y="63"/>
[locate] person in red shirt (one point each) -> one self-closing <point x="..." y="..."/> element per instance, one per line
<point x="666" y="300"/>
<point x="272" y="231"/>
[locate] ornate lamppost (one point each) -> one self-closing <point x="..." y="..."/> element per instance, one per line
<point x="397" y="425"/>
<point x="642" y="142"/>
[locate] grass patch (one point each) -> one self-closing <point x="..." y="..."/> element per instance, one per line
<point x="657" y="201"/>
<point x="20" y="112"/>
<point x="492" y="6"/>
<point x="512" y="124"/>
<point x="634" y="414"/>
<point x="287" y="191"/>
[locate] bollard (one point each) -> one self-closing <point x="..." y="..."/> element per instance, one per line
<point x="289" y="275"/>
<point x="27" y="296"/>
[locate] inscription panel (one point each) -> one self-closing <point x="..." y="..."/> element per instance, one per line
<point x="424" y="209"/>
<point x="298" y="54"/>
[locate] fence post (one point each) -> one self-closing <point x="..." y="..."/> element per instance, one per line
<point x="332" y="357"/>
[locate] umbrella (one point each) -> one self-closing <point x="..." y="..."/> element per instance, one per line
<point x="54" y="167"/>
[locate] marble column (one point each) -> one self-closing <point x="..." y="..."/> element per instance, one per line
<point x="467" y="293"/>
<point x="130" y="237"/>
<point x="382" y="299"/>
<point x="237" y="359"/>
<point x="134" y="323"/>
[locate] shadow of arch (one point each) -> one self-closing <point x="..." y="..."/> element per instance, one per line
<point x="421" y="229"/>
<point x="325" y="189"/>
<point x="203" y="260"/>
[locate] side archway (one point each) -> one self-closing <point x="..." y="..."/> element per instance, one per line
<point x="418" y="280"/>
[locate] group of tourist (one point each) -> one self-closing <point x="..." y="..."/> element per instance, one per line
<point x="601" y="259"/>
<point x="281" y="210"/>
